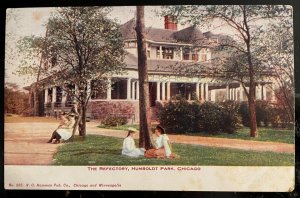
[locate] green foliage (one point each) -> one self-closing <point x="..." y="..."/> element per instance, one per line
<point x="182" y="117"/>
<point x="178" y="117"/>
<point x="266" y="115"/>
<point x="16" y="101"/>
<point x="102" y="150"/>
<point x="114" y="121"/>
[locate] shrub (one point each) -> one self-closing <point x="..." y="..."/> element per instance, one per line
<point x="208" y="118"/>
<point x="115" y="121"/>
<point x="231" y="119"/>
<point x="177" y="116"/>
<point x="181" y="116"/>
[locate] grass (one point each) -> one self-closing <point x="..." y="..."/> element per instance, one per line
<point x="101" y="150"/>
<point x="265" y="134"/>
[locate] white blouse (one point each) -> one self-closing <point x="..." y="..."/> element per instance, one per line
<point x="163" y="141"/>
<point x="130" y="149"/>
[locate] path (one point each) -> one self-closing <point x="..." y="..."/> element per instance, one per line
<point x="25" y="143"/>
<point x="209" y="141"/>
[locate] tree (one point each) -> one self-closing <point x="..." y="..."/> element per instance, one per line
<point x="278" y="41"/>
<point x="241" y="63"/>
<point x="16" y="101"/>
<point x="145" y="121"/>
<point x="82" y="46"/>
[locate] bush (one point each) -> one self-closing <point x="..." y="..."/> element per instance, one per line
<point x="231" y="119"/>
<point x="266" y="114"/>
<point x="114" y="121"/>
<point x="177" y="116"/>
<point x="181" y="117"/>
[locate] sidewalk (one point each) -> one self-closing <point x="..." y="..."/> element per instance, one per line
<point x="25" y="143"/>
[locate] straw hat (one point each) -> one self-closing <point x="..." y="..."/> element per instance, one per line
<point x="132" y="129"/>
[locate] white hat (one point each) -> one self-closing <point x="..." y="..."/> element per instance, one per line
<point x="132" y="129"/>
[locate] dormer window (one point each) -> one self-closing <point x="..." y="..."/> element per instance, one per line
<point x="130" y="44"/>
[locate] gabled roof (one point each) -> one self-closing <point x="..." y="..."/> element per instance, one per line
<point x="189" y="35"/>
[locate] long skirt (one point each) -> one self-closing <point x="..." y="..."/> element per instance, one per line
<point x="155" y="153"/>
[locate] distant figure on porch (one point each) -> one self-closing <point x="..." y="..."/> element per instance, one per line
<point x="162" y="145"/>
<point x="129" y="147"/>
<point x="64" y="129"/>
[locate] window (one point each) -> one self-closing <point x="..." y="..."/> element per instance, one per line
<point x="168" y="53"/>
<point x="119" y="88"/>
<point x="130" y="44"/>
<point x="195" y="57"/>
<point x="98" y="90"/>
<point x="157" y="53"/>
<point x="203" y="57"/>
<point x="148" y="53"/>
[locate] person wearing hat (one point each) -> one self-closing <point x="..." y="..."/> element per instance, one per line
<point x="129" y="147"/>
<point x="162" y="145"/>
<point x="65" y="128"/>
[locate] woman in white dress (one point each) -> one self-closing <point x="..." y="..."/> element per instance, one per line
<point x="162" y="145"/>
<point x="129" y="147"/>
<point x="64" y="130"/>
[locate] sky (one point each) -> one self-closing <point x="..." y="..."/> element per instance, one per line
<point x="30" y="21"/>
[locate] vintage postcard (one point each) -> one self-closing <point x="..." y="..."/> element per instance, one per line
<point x="180" y="98"/>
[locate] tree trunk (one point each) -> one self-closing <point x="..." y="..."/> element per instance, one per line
<point x="36" y="101"/>
<point x="252" y="110"/>
<point x="82" y="123"/>
<point x="144" y="106"/>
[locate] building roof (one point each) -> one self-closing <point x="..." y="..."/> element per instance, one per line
<point x="189" y="35"/>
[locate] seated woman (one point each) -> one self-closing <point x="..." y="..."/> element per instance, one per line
<point x="64" y="130"/>
<point x="129" y="148"/>
<point x="162" y="145"/>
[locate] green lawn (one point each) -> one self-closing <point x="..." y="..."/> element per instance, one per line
<point x="265" y="134"/>
<point x="101" y="150"/>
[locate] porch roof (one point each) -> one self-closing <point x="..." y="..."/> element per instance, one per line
<point x="160" y="65"/>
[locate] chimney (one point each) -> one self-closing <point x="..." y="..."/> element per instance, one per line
<point x="170" y="23"/>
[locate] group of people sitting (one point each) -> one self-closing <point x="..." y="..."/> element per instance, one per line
<point x="162" y="147"/>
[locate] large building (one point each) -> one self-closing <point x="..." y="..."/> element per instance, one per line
<point x="165" y="48"/>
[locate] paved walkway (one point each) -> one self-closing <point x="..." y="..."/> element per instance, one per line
<point x="25" y="143"/>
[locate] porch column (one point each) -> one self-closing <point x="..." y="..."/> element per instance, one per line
<point x="202" y="91"/>
<point x="46" y="96"/>
<point x="163" y="90"/>
<point x="197" y="91"/>
<point x="241" y="98"/>
<point x="227" y="94"/>
<point x="258" y="92"/>
<point x="63" y="98"/>
<point x="137" y="90"/>
<point x="273" y="96"/>
<point x="181" y="54"/>
<point x="158" y="91"/>
<point x="160" y="52"/>
<point x="168" y="90"/>
<point x="235" y="93"/>
<point x="128" y="88"/>
<point x="230" y="94"/>
<point x="88" y="87"/>
<point x="206" y="92"/>
<point x="213" y="95"/>
<point x="133" y="90"/>
<point x="108" y="90"/>
<point x="54" y="94"/>
<point x="264" y="92"/>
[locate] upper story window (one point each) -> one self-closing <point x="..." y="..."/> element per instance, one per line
<point x="203" y="55"/>
<point x="168" y="53"/>
<point x="130" y="44"/>
<point x="165" y="53"/>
